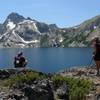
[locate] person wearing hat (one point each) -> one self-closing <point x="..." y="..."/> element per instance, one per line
<point x="96" y="53"/>
<point x="20" y="61"/>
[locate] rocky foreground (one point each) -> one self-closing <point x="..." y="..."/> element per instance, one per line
<point x="88" y="73"/>
<point x="26" y="84"/>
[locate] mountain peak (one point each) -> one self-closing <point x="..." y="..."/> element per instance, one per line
<point x="15" y="17"/>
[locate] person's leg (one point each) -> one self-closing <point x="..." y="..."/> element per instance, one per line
<point x="98" y="67"/>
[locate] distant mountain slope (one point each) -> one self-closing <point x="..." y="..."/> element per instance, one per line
<point x="18" y="31"/>
<point x="81" y="35"/>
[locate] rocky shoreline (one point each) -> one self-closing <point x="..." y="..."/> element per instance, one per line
<point x="43" y="87"/>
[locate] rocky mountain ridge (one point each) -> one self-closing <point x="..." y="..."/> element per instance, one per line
<point x="18" y="31"/>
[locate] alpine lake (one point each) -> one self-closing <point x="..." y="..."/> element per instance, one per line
<point x="48" y="60"/>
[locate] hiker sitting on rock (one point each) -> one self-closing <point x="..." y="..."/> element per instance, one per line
<point x="20" y="61"/>
<point x="96" y="53"/>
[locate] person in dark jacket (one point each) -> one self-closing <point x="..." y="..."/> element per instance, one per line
<point x="96" y="53"/>
<point x="20" y="61"/>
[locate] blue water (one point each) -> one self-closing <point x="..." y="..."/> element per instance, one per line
<point x="48" y="59"/>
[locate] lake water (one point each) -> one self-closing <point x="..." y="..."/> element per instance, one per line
<point x="48" y="59"/>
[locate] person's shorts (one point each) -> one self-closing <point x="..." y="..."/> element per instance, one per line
<point x="97" y="57"/>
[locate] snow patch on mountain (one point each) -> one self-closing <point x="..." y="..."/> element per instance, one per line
<point x="11" y="25"/>
<point x="34" y="41"/>
<point x="16" y="37"/>
<point x="61" y="39"/>
<point x="30" y="24"/>
<point x="4" y="35"/>
<point x="21" y="40"/>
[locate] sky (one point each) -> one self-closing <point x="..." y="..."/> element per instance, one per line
<point x="63" y="13"/>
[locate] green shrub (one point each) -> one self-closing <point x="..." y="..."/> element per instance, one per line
<point x="27" y="77"/>
<point x="78" y="87"/>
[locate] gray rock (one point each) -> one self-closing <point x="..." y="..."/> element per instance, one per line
<point x="97" y="97"/>
<point x="63" y="92"/>
<point x="39" y="91"/>
<point x="4" y="74"/>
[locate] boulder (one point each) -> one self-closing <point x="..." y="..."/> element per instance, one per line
<point x="4" y="74"/>
<point x="39" y="91"/>
<point x="63" y="92"/>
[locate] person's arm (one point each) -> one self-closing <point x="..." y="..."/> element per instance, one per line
<point x="94" y="52"/>
<point x="24" y="62"/>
